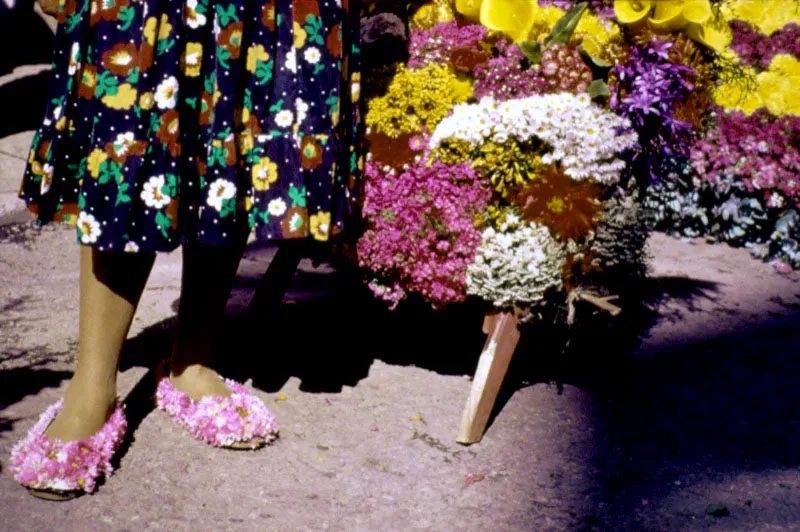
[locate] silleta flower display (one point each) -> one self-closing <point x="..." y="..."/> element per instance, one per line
<point x="515" y="151"/>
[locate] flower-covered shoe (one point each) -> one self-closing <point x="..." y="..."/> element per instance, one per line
<point x="59" y="470"/>
<point x="241" y="421"/>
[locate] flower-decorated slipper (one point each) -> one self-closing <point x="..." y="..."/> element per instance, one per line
<point x="241" y="421"/>
<point x="58" y="470"/>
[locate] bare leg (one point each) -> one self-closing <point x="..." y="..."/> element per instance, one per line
<point x="208" y="273"/>
<point x="110" y="285"/>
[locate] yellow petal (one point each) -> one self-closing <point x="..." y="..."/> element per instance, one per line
<point x="515" y="18"/>
<point x="469" y="8"/>
<point x="631" y="11"/>
<point x="716" y="38"/>
<point x="697" y="11"/>
<point x="668" y="16"/>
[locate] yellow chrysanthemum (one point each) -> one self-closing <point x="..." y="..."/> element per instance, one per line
<point x="254" y="54"/>
<point x="123" y="100"/>
<point x="320" y="225"/>
<point x="300" y="35"/>
<point x="775" y="89"/>
<point x="416" y="99"/>
<point x="265" y="172"/>
<point x="767" y="16"/>
<point x="96" y="158"/>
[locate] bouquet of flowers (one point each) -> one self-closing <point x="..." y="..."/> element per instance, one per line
<point x="511" y="141"/>
<point x="740" y="183"/>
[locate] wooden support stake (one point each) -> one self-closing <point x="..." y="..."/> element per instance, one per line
<point x="503" y="338"/>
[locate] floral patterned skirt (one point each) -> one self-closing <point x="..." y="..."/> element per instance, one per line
<point x="173" y="120"/>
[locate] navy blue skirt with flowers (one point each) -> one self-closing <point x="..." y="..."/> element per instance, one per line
<point x="174" y="120"/>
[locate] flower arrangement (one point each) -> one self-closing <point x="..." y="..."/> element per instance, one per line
<point x="740" y="183"/>
<point x="510" y="150"/>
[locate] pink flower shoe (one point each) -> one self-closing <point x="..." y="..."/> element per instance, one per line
<point x="59" y="471"/>
<point x="240" y="421"/>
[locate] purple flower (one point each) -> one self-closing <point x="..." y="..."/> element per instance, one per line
<point x="648" y="91"/>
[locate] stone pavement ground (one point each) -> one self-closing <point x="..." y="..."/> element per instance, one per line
<point x="696" y="428"/>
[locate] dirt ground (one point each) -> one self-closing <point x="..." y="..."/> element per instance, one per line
<point x="694" y="428"/>
<point x="700" y="419"/>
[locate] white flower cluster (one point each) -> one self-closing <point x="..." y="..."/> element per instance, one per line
<point x="583" y="137"/>
<point x="517" y="264"/>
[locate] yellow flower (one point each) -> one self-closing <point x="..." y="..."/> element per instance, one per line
<point x="300" y="35"/>
<point x="165" y="28"/>
<point x="777" y="87"/>
<point x="631" y="11"/>
<point x="192" y="59"/>
<point x="416" y="99"/>
<point x="150" y="26"/>
<point x="61" y="124"/>
<point x="96" y="158"/>
<point x="254" y="54"/>
<point x="515" y="18"/>
<point x="320" y="225"/>
<point x="246" y="142"/>
<point x="265" y="172"/>
<point x="692" y="17"/>
<point x="150" y="30"/>
<point x="124" y="99"/>
<point x="438" y="12"/>
<point x="147" y="101"/>
<point x="768" y="16"/>
<point x="248" y="203"/>
<point x="469" y="8"/>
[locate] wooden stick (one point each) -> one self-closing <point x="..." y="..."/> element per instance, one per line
<point x="492" y="367"/>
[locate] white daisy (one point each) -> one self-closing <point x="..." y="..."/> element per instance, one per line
<point x="301" y="108"/>
<point x="194" y="19"/>
<point x="312" y="55"/>
<point x="219" y="191"/>
<point x="47" y="178"/>
<point x="152" y="193"/>
<point x="74" y="58"/>
<point x="277" y="207"/>
<point x="89" y="228"/>
<point x="131" y="247"/>
<point x="123" y="143"/>
<point x="284" y="118"/>
<point x="167" y="93"/>
<point x="291" y="60"/>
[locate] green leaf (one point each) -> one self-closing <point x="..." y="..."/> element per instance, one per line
<point x="209" y="84"/>
<point x="532" y="51"/>
<point x="264" y="216"/>
<point x="319" y="67"/>
<point x="297" y="196"/>
<point x="133" y="77"/>
<point x="598" y="88"/>
<point x="81" y="201"/>
<point x="222" y="57"/>
<point x="228" y="208"/>
<point x="276" y="107"/>
<point x="105" y="174"/>
<point x="164" y="46"/>
<point x="164" y="222"/>
<point x="122" y="196"/>
<point x="126" y="15"/>
<point x="191" y="102"/>
<point x="565" y="27"/>
<point x="598" y="62"/>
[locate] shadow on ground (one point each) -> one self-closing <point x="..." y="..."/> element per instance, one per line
<point x="25" y="39"/>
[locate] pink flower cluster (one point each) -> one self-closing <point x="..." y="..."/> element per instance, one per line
<point x="39" y="463"/>
<point x="505" y="78"/>
<point x="760" y="150"/>
<point x="756" y="49"/>
<point x="241" y="418"/>
<point x="436" y="44"/>
<point x="422" y="233"/>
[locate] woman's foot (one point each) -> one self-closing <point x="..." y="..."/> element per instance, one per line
<point x="199" y="381"/>
<point x="223" y="413"/>
<point x="87" y="407"/>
